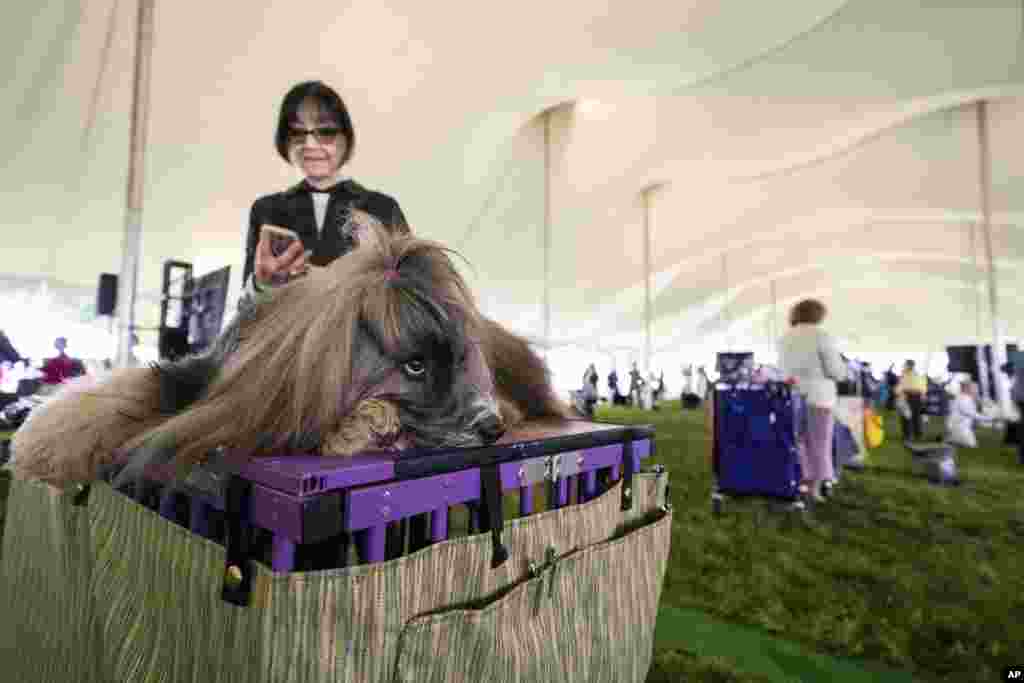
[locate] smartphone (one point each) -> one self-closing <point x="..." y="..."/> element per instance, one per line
<point x="280" y="238"/>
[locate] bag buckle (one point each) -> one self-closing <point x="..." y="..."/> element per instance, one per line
<point x="537" y="570"/>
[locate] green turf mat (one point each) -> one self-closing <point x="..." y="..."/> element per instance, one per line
<point x="759" y="653"/>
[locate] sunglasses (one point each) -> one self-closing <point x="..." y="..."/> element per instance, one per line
<point x="325" y="135"/>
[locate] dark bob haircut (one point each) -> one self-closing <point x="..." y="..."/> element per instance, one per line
<point x="808" y="311"/>
<point x="330" y="103"/>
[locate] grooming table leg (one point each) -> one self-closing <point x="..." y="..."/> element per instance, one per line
<point x="439" y="524"/>
<point x="374" y="540"/>
<point x="283" y="554"/>
<point x="589" y="485"/>
<point x="563" y="492"/>
<point x="525" y="500"/>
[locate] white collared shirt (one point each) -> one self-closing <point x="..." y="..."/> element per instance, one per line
<point x="320" y="199"/>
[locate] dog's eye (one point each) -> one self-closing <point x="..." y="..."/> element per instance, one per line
<point x="415" y="369"/>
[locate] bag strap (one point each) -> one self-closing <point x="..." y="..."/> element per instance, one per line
<point x="627" y="472"/>
<point x="493" y="515"/>
<point x="237" y="585"/>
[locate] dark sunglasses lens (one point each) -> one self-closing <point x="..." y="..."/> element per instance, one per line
<point x="326" y="134"/>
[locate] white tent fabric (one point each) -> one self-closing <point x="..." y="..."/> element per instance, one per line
<point x="828" y="147"/>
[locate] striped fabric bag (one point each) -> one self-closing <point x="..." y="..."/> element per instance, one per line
<point x="103" y="589"/>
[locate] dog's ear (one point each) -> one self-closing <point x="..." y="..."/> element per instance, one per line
<point x="521" y="377"/>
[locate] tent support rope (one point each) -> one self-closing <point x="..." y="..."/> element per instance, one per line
<point x="128" y="283"/>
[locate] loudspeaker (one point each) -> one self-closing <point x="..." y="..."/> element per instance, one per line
<point x="106" y="294"/>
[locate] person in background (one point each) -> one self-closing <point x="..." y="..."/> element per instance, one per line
<point x="636" y="385"/>
<point x="703" y="387"/>
<point x="1017" y="394"/>
<point x="883" y="395"/>
<point x="651" y="392"/>
<point x="8" y="355"/>
<point x="870" y="384"/>
<point x="316" y="136"/>
<point x="911" y="388"/>
<point x="61" y="367"/>
<point x="590" y="378"/>
<point x="809" y="356"/>
<point x="891" y="380"/>
<point x="963" y="413"/>
<point x="613" y="387"/>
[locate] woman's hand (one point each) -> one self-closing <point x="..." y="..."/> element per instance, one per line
<point x="270" y="269"/>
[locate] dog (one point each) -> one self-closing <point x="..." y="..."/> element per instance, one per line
<point x="384" y="348"/>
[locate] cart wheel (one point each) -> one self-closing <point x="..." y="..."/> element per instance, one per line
<point x="798" y="512"/>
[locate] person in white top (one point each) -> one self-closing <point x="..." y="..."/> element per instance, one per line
<point x="963" y="413"/>
<point x="808" y="355"/>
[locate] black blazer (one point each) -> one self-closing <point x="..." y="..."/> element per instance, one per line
<point x="293" y="209"/>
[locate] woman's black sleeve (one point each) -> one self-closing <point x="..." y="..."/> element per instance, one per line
<point x="252" y="238"/>
<point x="398" y="222"/>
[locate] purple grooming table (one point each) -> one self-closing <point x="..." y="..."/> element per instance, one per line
<point x="308" y="499"/>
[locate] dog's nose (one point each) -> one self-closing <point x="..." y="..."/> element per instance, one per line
<point x="490" y="429"/>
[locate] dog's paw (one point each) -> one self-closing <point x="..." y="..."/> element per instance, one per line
<point x="373" y="424"/>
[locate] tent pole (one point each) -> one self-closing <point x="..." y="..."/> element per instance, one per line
<point x="547" y="232"/>
<point x="128" y="282"/>
<point x="998" y="352"/>
<point x="645" y="196"/>
<point x="975" y="284"/>
<point x="725" y="307"/>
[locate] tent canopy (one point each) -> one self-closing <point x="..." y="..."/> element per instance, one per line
<point x="830" y="148"/>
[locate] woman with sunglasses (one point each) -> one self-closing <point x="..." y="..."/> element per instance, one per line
<point x="314" y="134"/>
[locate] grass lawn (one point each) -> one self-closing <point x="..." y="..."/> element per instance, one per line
<point x="892" y="572"/>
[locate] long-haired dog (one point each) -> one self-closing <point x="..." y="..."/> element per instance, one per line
<point x="384" y="348"/>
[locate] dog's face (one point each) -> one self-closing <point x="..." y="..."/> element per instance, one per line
<point x="421" y="357"/>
